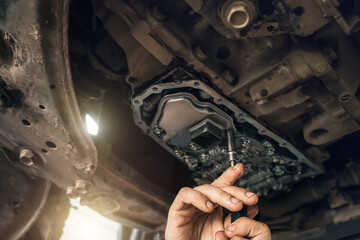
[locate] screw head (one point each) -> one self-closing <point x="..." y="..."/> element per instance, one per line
<point x="204" y="157"/>
<point x="157" y="130"/>
<point x="200" y="54"/>
<point x="27" y="157"/>
<point x="179" y="153"/>
<point x="194" y="147"/>
<point x="70" y="192"/>
<point x="82" y="186"/>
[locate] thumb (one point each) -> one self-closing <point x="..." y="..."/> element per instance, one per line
<point x="220" y="235"/>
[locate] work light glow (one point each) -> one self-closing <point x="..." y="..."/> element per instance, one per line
<point x="84" y="223"/>
<point x="91" y="125"/>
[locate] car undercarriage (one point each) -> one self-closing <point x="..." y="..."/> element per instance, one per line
<point x="180" y="90"/>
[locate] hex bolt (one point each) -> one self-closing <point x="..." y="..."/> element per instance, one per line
<point x="70" y="192"/>
<point x="27" y="157"/>
<point x="229" y="76"/>
<point x="238" y="14"/>
<point x="194" y="147"/>
<point x="200" y="54"/>
<point x="82" y="186"/>
<point x="158" y="131"/>
<point x="179" y="153"/>
<point x="204" y="157"/>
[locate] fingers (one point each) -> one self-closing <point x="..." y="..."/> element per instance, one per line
<point x="188" y="196"/>
<point x="248" y="198"/>
<point x="246" y="227"/>
<point x="229" y="176"/>
<point x="218" y="196"/>
<point x="252" y="211"/>
<point x="238" y="238"/>
<point x="220" y="235"/>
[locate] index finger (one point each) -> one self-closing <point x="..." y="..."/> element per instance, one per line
<point x="229" y="177"/>
<point x="187" y="197"/>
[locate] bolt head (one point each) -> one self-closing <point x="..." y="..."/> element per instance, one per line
<point x="82" y="186"/>
<point x="194" y="147"/>
<point x="157" y="130"/>
<point x="200" y="54"/>
<point x="238" y="14"/>
<point x="70" y="192"/>
<point x="27" y="157"/>
<point x="204" y="157"/>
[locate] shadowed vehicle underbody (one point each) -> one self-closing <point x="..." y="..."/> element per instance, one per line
<point x="179" y="91"/>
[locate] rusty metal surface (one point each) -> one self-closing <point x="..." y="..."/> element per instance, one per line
<point x="45" y="134"/>
<point x="122" y="194"/>
<point x="21" y="201"/>
<point x="294" y="71"/>
<point x="278" y="79"/>
<point x="39" y="107"/>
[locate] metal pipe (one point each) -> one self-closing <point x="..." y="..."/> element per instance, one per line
<point x="231" y="147"/>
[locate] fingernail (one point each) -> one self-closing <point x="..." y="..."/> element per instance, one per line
<point x="234" y="200"/>
<point x="231" y="228"/>
<point x="249" y="194"/>
<point x="209" y="204"/>
<point x="235" y="167"/>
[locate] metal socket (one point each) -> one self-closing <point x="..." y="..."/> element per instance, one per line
<point x="238" y="14"/>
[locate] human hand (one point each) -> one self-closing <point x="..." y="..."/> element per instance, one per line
<point x="196" y="213"/>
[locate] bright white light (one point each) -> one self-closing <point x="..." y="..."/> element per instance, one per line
<point x="91" y="125"/>
<point x="85" y="223"/>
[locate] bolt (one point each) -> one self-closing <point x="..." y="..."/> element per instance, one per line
<point x="200" y="54"/>
<point x="229" y="76"/>
<point x="179" y="153"/>
<point x="70" y="192"/>
<point x="82" y="186"/>
<point x="278" y="171"/>
<point x="194" y="147"/>
<point x="191" y="162"/>
<point x="157" y="130"/>
<point x="223" y="150"/>
<point x="204" y="157"/>
<point x="238" y="14"/>
<point x="27" y="157"/>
